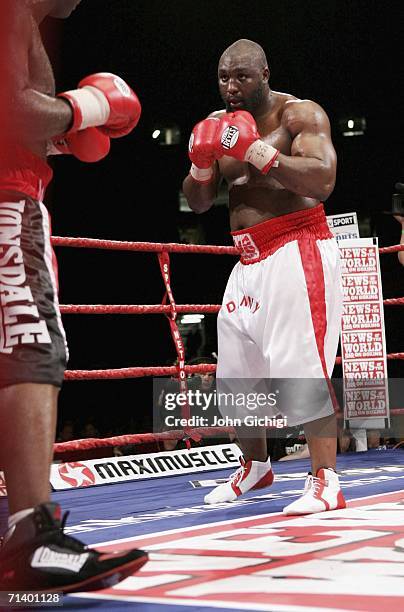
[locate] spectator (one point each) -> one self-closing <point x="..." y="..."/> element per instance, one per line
<point x="346" y="441"/>
<point x="204" y="382"/>
<point x="66" y="432"/>
<point x="90" y="431"/>
<point x="374" y="439"/>
<point x="400" y="219"/>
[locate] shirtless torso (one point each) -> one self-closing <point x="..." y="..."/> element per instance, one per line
<point x="253" y="197"/>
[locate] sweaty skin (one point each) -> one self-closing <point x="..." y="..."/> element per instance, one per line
<point x="28" y="411"/>
<point x="254" y="197"/>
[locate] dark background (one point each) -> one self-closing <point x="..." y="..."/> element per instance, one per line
<point x="344" y="54"/>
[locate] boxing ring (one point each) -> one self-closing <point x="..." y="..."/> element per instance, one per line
<point x="243" y="555"/>
<point x="236" y="556"/>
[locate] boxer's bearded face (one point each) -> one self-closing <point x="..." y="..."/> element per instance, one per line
<point x="254" y="101"/>
<point x="242" y="85"/>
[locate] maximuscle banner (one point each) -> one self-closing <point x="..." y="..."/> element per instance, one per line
<point x="135" y="467"/>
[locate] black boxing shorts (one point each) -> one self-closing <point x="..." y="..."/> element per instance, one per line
<point x="33" y="346"/>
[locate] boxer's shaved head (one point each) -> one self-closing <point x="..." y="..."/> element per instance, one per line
<point x="243" y="76"/>
<point x="246" y="48"/>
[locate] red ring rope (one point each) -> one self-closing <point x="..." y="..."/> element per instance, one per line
<point x="137" y="372"/>
<point x="161" y="308"/>
<point x="168" y="247"/>
<point x="170" y="310"/>
<point x="146" y="438"/>
<point x="146" y="247"/>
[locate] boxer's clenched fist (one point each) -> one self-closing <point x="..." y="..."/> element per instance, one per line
<point x="238" y="137"/>
<point x="104" y="100"/>
<point x="202" y="149"/>
<point x="89" y="145"/>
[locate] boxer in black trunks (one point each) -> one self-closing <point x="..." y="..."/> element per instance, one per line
<point x="36" y="554"/>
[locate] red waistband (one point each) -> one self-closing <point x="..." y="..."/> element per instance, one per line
<point x="26" y="173"/>
<point x="257" y="242"/>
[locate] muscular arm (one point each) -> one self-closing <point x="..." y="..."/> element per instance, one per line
<point x="310" y="169"/>
<point x="200" y="196"/>
<point x="35" y="115"/>
<point x="42" y="117"/>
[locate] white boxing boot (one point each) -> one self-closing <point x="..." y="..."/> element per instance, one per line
<point x="321" y="492"/>
<point x="250" y="475"/>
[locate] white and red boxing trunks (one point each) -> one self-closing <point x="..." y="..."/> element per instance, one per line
<point x="32" y="340"/>
<point x="281" y="312"/>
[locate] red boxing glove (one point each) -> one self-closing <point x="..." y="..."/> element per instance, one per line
<point x="201" y="149"/>
<point x="104" y="100"/>
<point x="238" y="137"/>
<point x="89" y="145"/>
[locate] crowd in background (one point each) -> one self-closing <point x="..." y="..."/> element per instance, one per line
<point x="283" y="444"/>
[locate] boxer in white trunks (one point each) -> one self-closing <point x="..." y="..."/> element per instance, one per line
<point x="281" y="311"/>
